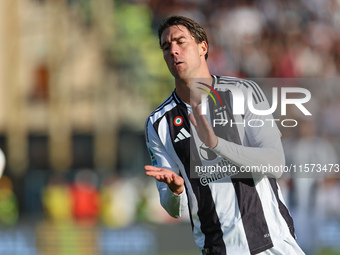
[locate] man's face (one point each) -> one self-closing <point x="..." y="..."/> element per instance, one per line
<point x="181" y="53"/>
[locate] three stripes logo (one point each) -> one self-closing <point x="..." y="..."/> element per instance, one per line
<point x="183" y="134"/>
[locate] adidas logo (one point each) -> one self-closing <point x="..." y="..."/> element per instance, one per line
<point x="183" y="134"/>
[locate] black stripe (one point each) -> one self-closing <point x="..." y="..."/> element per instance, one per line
<point x="146" y="130"/>
<point x="245" y="82"/>
<point x="176" y="97"/>
<point x="156" y="124"/>
<point x="283" y="209"/>
<point x="188" y="154"/>
<point x="254" y="222"/>
<point x="225" y="79"/>
<point x="190" y="215"/>
<point x="251" y="93"/>
<point x="249" y="202"/>
<point x="256" y="86"/>
<point x="257" y="95"/>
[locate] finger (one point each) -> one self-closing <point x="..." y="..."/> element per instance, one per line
<point x="163" y="178"/>
<point x="153" y="174"/>
<point x="198" y="109"/>
<point x="175" y="179"/>
<point x="150" y="173"/>
<point x="192" y="119"/>
<point x="194" y="109"/>
<point x="203" y="121"/>
<point x="167" y="179"/>
<point x="160" y="178"/>
<point x="197" y="115"/>
<point x="152" y="168"/>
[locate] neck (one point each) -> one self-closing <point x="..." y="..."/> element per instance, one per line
<point x="183" y="90"/>
<point x="190" y="94"/>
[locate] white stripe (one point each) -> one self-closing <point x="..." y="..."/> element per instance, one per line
<point x="181" y="136"/>
<point x="185" y="133"/>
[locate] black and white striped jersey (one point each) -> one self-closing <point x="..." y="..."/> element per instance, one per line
<point x="230" y="213"/>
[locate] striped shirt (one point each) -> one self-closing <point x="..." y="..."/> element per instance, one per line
<point x="231" y="212"/>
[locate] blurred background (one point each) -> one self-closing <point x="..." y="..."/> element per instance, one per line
<point x="78" y="79"/>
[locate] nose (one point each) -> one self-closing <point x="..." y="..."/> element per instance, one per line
<point x="174" y="49"/>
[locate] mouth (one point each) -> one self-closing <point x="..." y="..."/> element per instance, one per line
<point x="177" y="63"/>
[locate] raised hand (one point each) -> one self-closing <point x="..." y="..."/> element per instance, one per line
<point x="174" y="181"/>
<point x="203" y="128"/>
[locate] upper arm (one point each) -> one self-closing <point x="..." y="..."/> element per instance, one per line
<point x="261" y="130"/>
<point x="157" y="151"/>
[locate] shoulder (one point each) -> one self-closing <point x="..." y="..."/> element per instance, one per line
<point x="235" y="81"/>
<point x="244" y="85"/>
<point x="164" y="107"/>
<point x="157" y="119"/>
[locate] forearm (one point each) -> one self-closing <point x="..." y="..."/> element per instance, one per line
<point x="174" y="204"/>
<point x="253" y="156"/>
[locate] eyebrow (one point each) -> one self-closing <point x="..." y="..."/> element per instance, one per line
<point x="174" y="39"/>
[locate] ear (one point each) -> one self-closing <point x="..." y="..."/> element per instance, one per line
<point x="203" y="48"/>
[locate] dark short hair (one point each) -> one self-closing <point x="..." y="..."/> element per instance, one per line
<point x="196" y="31"/>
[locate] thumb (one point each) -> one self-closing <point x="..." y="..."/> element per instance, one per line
<point x="192" y="119"/>
<point x="178" y="180"/>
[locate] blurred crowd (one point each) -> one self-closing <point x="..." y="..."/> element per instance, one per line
<point x="265" y="38"/>
<point x="85" y="198"/>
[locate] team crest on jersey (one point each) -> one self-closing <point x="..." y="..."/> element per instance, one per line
<point x="178" y="121"/>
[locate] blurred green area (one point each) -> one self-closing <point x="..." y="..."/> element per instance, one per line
<point x="328" y="252"/>
<point x="133" y="51"/>
<point x="136" y="52"/>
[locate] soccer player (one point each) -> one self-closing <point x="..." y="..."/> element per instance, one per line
<point x="232" y="212"/>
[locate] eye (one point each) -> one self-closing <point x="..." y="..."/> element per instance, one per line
<point x="165" y="47"/>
